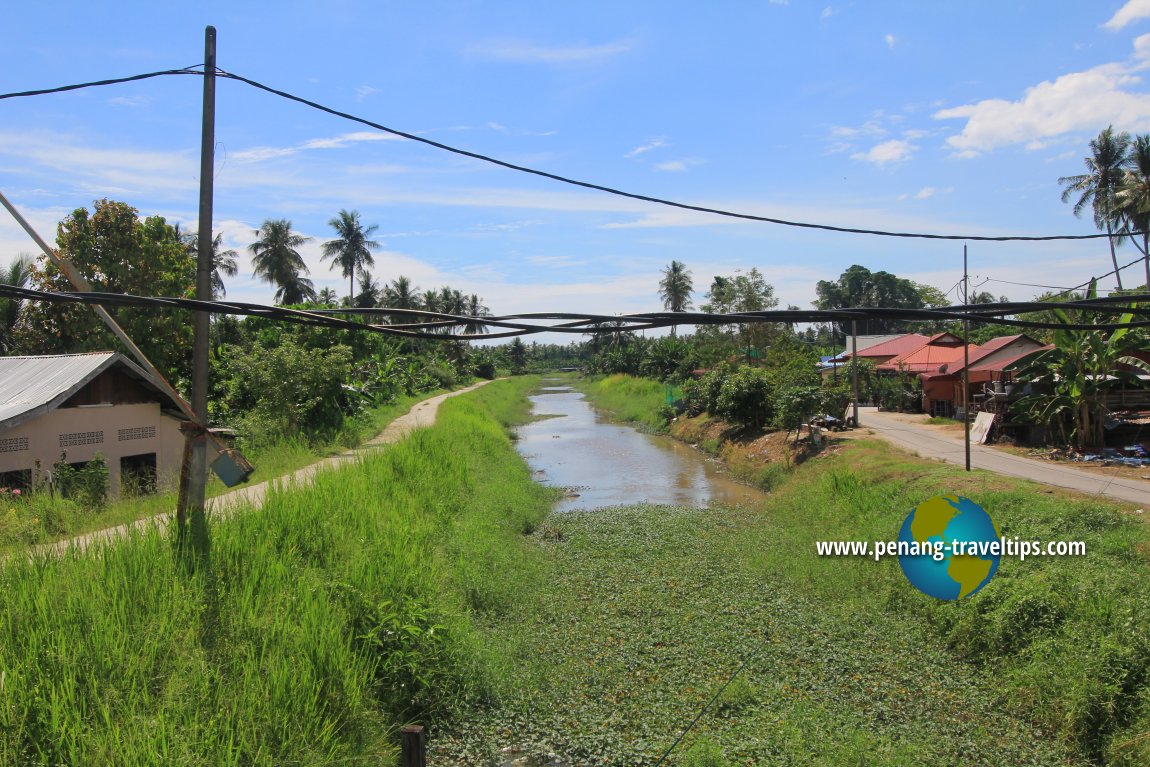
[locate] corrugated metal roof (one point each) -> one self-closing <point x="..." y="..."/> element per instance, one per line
<point x="896" y="346"/>
<point x="31" y="386"/>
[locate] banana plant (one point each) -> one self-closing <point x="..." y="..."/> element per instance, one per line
<point x="1079" y="370"/>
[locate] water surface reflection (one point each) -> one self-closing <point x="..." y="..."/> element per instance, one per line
<point x="606" y="464"/>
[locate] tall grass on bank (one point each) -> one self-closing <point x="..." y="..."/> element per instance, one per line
<point x="317" y="626"/>
<point x="640" y="401"/>
<point x="41" y="516"/>
<point x="1065" y="638"/>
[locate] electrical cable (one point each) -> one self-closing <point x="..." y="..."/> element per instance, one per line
<point x="432" y="325"/>
<point x="98" y="83"/>
<point x="554" y="176"/>
<point x="643" y="197"/>
<point x="750" y="656"/>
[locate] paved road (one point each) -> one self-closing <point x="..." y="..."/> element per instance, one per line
<point x="249" y="496"/>
<point x="933" y="443"/>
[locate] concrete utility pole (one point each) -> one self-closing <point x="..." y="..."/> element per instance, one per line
<point x="193" y="476"/>
<point x="965" y="359"/>
<point x="855" y="371"/>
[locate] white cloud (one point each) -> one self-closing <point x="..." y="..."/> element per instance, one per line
<point x="676" y="166"/>
<point x="363" y="91"/>
<point x="655" y="143"/>
<point x="894" y="150"/>
<point x="827" y="12"/>
<point x="130" y="101"/>
<point x="258" y="154"/>
<point x="1132" y="11"/>
<point x="522" y="51"/>
<point x="890" y="40"/>
<point x="872" y="128"/>
<point x="1099" y="96"/>
<point x="925" y="193"/>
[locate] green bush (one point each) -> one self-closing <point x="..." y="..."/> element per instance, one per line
<point x="745" y="398"/>
<point x="87" y="484"/>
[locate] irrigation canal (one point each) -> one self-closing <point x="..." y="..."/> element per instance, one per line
<point x="604" y="464"/>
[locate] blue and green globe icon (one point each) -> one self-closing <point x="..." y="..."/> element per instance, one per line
<point x="938" y="571"/>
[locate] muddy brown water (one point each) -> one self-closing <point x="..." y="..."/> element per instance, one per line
<point x="604" y="464"/>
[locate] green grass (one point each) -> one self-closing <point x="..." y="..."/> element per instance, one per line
<point x="318" y="625"/>
<point x="40" y="517"/>
<point x="639" y="401"/>
<point x="645" y="612"/>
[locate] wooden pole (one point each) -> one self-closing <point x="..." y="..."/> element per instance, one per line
<point x="413" y="744"/>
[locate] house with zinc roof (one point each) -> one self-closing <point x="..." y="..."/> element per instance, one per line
<point x="78" y="406"/>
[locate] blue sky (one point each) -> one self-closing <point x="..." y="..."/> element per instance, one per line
<point x="944" y="117"/>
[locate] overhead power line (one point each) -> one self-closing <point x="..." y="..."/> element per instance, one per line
<point x="98" y="83"/>
<point x="437" y="326"/>
<point x="560" y="178"/>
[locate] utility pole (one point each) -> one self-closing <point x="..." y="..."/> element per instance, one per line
<point x="855" y="370"/>
<point x="193" y="475"/>
<point x="965" y="358"/>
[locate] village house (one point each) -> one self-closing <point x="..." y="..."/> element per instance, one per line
<point x="76" y="407"/>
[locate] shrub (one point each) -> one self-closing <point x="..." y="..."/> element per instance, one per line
<point x="745" y="398"/>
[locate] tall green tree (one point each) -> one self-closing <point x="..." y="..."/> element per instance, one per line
<point x="860" y="287"/>
<point x="276" y="259"/>
<point x="118" y="253"/>
<point x="351" y="250"/>
<point x="1098" y="187"/>
<point x="1133" y="200"/>
<point x="749" y="292"/>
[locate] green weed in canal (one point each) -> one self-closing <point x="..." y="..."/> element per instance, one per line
<point x="644" y="612"/>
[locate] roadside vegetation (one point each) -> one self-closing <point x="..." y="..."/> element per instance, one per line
<point x="317" y="626"/>
<point x="44" y="516"/>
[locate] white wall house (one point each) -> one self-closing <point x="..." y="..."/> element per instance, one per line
<point x="81" y="406"/>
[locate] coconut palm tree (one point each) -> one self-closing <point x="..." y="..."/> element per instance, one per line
<point x="1098" y="187"/>
<point x="473" y="307"/>
<point x="1133" y="199"/>
<point x="327" y="297"/>
<point x="18" y="274"/>
<point x="401" y="294"/>
<point x="675" y="289"/>
<point x="278" y="262"/>
<point x="369" y="292"/>
<point x="351" y="250"/>
<point x="430" y="301"/>
<point x="223" y="261"/>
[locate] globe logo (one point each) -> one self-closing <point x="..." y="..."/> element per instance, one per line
<point x="927" y="547"/>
